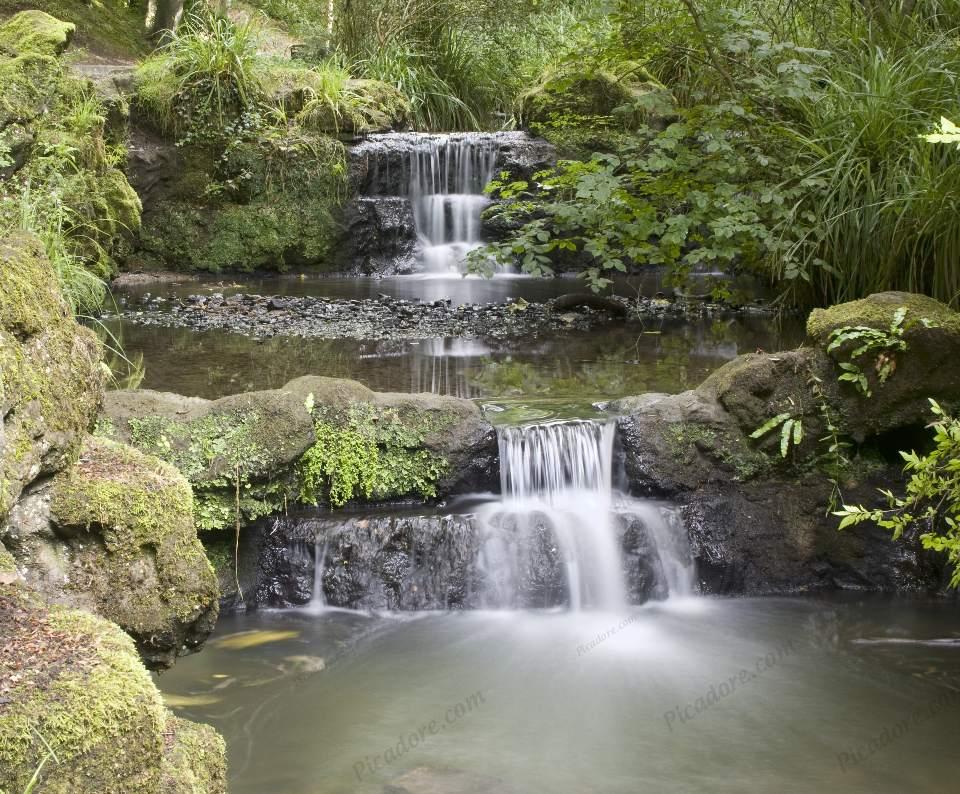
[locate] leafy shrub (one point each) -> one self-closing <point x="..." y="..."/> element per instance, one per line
<point x="932" y="495"/>
<point x="205" y="74"/>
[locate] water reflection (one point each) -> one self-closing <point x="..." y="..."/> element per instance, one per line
<point x="602" y="363"/>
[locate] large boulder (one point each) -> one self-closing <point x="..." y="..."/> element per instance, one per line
<point x="114" y="534"/>
<point x="254" y="439"/>
<point x="51" y="380"/>
<point x="759" y="520"/>
<point x="428" y="445"/>
<point x="35" y="32"/>
<point x="926" y="368"/>
<point x="79" y="711"/>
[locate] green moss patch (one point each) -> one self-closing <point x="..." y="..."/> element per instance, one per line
<point x="877" y="311"/>
<point x="50" y="376"/>
<point x="111" y="28"/>
<point x="370" y="452"/>
<point x="35" y="32"/>
<point x="81" y="690"/>
<point x="141" y="562"/>
<point x="195" y="759"/>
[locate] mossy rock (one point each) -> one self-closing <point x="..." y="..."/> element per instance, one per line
<point x="196" y="761"/>
<point x="35" y="32"/>
<point x="28" y="83"/>
<point x="756" y="387"/>
<point x="585" y="112"/>
<point x="926" y="369"/>
<point x="51" y="380"/>
<point x="269" y="432"/>
<point x="110" y="28"/>
<point x="259" y="436"/>
<point x="265" y="205"/>
<point x="878" y="310"/>
<point x="83" y="693"/>
<point x="387" y="109"/>
<point x="127" y="520"/>
<point x="8" y="565"/>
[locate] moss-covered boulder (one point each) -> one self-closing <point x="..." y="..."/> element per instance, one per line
<point x="761" y="453"/>
<point x="407" y="446"/>
<point x="268" y="203"/>
<point x="581" y="112"/>
<point x="35" y="32"/>
<point x="922" y="354"/>
<point x="410" y="445"/>
<point x="51" y="382"/>
<point x="114" y="534"/>
<point x="77" y="704"/>
<point x="195" y="761"/>
<point x="248" y="441"/>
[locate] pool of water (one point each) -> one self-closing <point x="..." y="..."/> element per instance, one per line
<point x="667" y="355"/>
<point x="425" y="286"/>
<point x="855" y="694"/>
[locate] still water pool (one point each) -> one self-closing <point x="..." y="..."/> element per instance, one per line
<point x="853" y="694"/>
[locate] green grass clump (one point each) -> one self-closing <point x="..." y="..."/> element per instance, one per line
<point x="205" y="74"/>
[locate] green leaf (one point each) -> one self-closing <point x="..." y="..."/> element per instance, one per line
<point x="769" y="425"/>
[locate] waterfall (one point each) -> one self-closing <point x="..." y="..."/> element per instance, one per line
<point x="447" y="177"/>
<point x="318" y="600"/>
<point x="558" y="504"/>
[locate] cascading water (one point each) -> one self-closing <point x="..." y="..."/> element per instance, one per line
<point x="558" y="501"/>
<point x="447" y="177"/>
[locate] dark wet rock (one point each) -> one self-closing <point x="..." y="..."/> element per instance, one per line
<point x="590" y="300"/>
<point x="413" y="561"/>
<point x="379" y="236"/>
<point x="761" y="523"/>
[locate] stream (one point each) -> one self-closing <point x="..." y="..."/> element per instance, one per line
<point x="588" y="662"/>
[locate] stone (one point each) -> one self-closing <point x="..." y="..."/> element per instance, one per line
<point x="35" y="32"/>
<point x="83" y="694"/>
<point x="114" y="534"/>
<point x="927" y="368"/>
<point x="51" y="380"/>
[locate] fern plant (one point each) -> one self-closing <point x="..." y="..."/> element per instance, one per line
<point x="884" y="343"/>
<point x="791" y="431"/>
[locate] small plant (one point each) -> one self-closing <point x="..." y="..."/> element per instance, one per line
<point x="837" y="446"/>
<point x="885" y="344"/>
<point x="368" y="453"/>
<point x="791" y="431"/>
<point x="932" y="494"/>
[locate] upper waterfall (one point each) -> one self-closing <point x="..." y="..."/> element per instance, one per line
<point x="447" y="178"/>
<point x="418" y="197"/>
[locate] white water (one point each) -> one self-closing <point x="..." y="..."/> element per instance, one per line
<point x="318" y="601"/>
<point x="556" y="480"/>
<point x="447" y="177"/>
